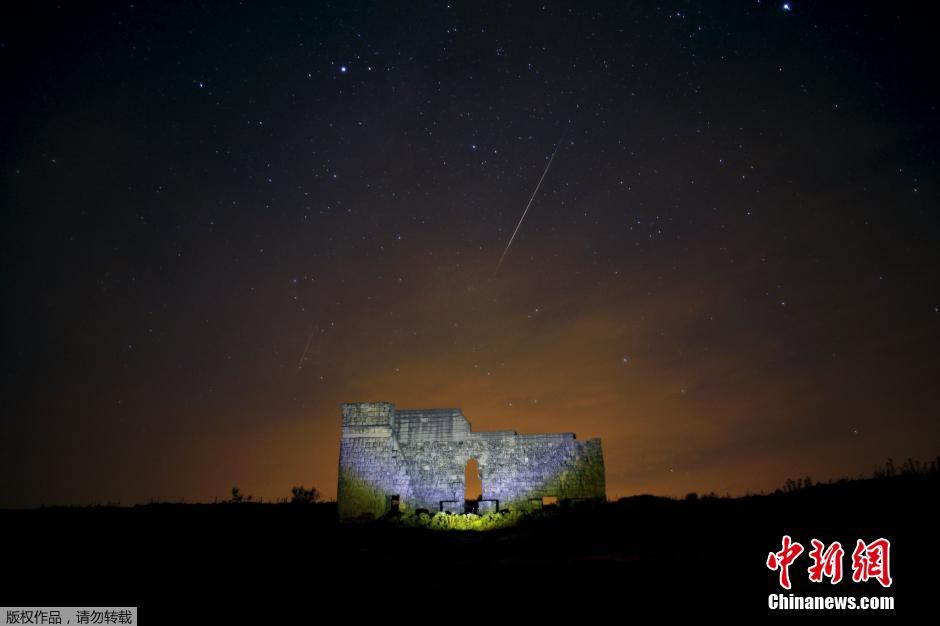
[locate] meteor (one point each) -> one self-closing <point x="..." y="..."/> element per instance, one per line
<point x="558" y="145"/>
<point x="300" y="363"/>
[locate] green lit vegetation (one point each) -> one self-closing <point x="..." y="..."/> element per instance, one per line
<point x="469" y="521"/>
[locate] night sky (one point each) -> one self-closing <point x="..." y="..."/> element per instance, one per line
<point x="220" y="222"/>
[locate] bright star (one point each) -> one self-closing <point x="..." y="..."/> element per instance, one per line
<point x="786" y="6"/>
<point x="342" y="68"/>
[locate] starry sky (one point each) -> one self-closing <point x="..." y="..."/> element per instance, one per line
<point x="223" y="220"/>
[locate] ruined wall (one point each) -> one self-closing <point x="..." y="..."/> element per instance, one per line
<point x="421" y="455"/>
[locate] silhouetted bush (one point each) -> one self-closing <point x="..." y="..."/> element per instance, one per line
<point x="300" y="495"/>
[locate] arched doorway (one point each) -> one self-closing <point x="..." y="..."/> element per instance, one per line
<point x="473" y="486"/>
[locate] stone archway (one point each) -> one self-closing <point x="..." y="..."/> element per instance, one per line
<point x="473" y="484"/>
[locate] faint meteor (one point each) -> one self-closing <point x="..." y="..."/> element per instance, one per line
<point x="300" y="363"/>
<point x="558" y="145"/>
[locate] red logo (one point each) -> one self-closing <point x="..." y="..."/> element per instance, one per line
<point x="782" y="560"/>
<point x="826" y="563"/>
<point x="869" y="561"/>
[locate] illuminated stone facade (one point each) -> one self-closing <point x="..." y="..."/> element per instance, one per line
<point x="416" y="458"/>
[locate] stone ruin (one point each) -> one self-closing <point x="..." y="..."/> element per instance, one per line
<point x="410" y="459"/>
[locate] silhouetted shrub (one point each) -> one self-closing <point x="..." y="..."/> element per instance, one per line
<point x="300" y="495"/>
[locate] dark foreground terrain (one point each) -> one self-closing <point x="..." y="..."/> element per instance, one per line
<point x="700" y="555"/>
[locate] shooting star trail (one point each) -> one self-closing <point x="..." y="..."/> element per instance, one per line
<point x="558" y="145"/>
<point x="300" y="363"/>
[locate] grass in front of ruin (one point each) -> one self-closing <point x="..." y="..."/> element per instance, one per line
<point x="456" y="521"/>
<point x="491" y="520"/>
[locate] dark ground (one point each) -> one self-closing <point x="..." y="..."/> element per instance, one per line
<point x="704" y="556"/>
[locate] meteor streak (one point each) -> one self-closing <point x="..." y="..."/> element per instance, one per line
<point x="300" y="363"/>
<point x="558" y="145"/>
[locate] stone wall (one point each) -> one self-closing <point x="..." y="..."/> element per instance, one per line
<point x="420" y="455"/>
